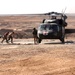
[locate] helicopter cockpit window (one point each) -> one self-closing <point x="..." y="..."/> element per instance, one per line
<point x="48" y="27"/>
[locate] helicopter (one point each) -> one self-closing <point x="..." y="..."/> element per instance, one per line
<point x="52" y="28"/>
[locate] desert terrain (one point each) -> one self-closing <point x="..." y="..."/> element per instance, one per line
<point x="47" y="58"/>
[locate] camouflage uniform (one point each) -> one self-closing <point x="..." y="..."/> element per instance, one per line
<point x="5" y="36"/>
<point x="35" y="35"/>
<point x="10" y="37"/>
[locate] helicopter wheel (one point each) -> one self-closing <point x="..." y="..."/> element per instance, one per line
<point x="39" y="40"/>
<point x="62" y="40"/>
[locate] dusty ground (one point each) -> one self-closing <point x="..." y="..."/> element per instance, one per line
<point x="48" y="58"/>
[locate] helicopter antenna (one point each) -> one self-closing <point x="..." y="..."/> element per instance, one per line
<point x="65" y="9"/>
<point x="62" y="11"/>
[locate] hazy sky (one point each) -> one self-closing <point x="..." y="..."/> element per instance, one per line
<point x="35" y="6"/>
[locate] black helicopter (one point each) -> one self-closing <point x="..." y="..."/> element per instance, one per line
<point x="52" y="28"/>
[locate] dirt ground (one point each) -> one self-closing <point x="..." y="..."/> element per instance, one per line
<point x="48" y="58"/>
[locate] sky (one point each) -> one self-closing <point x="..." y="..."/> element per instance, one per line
<point x="36" y="6"/>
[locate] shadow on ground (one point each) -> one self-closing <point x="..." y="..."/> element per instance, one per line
<point x="66" y="42"/>
<point x="69" y="31"/>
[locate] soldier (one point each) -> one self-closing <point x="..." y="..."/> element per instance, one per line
<point x="5" y="37"/>
<point x="35" y="35"/>
<point x="10" y="37"/>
